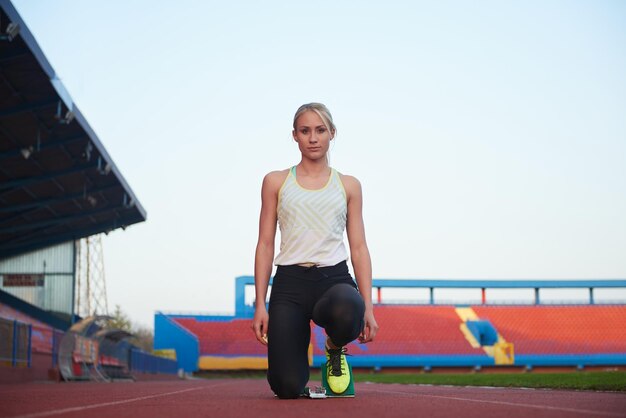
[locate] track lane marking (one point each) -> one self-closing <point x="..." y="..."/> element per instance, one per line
<point x="515" y="404"/>
<point x="105" y="404"/>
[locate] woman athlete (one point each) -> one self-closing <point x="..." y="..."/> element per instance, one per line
<point x="313" y="204"/>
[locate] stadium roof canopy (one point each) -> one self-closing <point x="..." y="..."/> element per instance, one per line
<point x="57" y="182"/>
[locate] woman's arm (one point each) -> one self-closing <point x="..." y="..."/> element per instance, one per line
<point x="359" y="253"/>
<point x="265" y="252"/>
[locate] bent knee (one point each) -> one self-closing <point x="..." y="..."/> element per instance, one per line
<point x="286" y="387"/>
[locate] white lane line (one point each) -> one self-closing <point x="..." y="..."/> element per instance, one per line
<point x="516" y="404"/>
<point x="105" y="404"/>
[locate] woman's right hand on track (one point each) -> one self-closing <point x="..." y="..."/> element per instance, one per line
<point x="259" y="324"/>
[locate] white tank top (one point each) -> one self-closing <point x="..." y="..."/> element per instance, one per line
<point x="312" y="222"/>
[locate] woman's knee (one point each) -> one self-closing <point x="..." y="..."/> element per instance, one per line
<point x="345" y="302"/>
<point x="340" y="312"/>
<point x="286" y="386"/>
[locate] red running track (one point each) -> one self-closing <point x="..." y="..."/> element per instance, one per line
<point x="226" y="398"/>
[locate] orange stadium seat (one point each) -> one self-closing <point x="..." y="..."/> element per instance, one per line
<point x="419" y="330"/>
<point x="232" y="337"/>
<point x="545" y="329"/>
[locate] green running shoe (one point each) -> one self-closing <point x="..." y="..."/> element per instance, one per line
<point x="337" y="370"/>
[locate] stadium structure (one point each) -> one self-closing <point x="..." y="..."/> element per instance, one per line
<point x="484" y="332"/>
<point x="58" y="185"/>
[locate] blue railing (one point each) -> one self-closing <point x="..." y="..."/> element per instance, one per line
<point x="15" y="343"/>
<point x="243" y="310"/>
<point x="140" y="361"/>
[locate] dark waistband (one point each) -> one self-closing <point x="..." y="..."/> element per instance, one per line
<point x="295" y="268"/>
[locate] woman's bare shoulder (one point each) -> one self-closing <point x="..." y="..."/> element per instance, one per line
<point x="350" y="183"/>
<point x="275" y="179"/>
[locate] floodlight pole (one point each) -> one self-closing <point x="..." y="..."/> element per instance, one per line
<point x="91" y="295"/>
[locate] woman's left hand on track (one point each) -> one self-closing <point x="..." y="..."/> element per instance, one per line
<point x="371" y="327"/>
<point x="259" y="325"/>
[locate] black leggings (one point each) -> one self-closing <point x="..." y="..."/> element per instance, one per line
<point x="328" y="296"/>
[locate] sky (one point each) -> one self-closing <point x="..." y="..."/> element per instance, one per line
<point x="489" y="137"/>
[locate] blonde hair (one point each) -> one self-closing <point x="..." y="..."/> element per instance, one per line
<point x="322" y="111"/>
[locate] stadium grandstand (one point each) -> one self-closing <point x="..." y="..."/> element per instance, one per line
<point x="58" y="185"/>
<point x="485" y="331"/>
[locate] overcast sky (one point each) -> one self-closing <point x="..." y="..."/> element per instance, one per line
<point x="489" y="136"/>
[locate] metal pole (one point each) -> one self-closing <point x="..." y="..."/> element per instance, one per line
<point x="30" y="339"/>
<point x="100" y="253"/>
<point x="88" y="277"/>
<point x="54" y="343"/>
<point x="14" y="350"/>
<point x="76" y="285"/>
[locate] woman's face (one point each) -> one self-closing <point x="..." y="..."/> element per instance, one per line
<point x="312" y="136"/>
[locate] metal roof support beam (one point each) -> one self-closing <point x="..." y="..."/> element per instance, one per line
<point x="27" y="209"/>
<point x="11" y="31"/>
<point x="29" y="107"/>
<point x="46" y="145"/>
<point x="46" y="230"/>
<point x="47" y="202"/>
<point x="12" y="184"/>
<point x="52" y="222"/>
<point x="14" y="55"/>
<point x="106" y="227"/>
